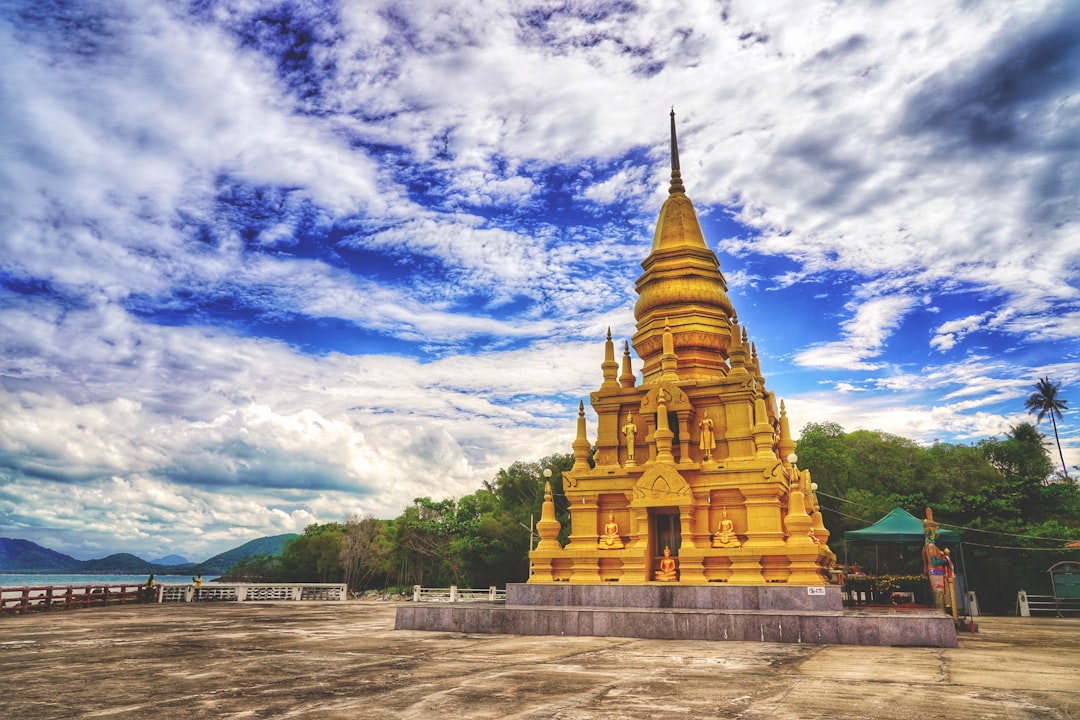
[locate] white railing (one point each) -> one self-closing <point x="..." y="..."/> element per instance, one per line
<point x="252" y="592"/>
<point x="1026" y="604"/>
<point x="456" y="594"/>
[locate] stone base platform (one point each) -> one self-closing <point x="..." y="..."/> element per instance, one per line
<point x="667" y="595"/>
<point x="667" y="612"/>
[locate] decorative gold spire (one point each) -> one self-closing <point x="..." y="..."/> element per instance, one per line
<point x="738" y="350"/>
<point x="763" y="430"/>
<point x="548" y="526"/>
<point x="581" y="442"/>
<point x="786" y="446"/>
<point x="676" y="173"/>
<point x="682" y="282"/>
<point x="609" y="367"/>
<point x="663" y="434"/>
<point x="627" y="378"/>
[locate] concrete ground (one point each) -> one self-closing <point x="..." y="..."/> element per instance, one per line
<point x="344" y="660"/>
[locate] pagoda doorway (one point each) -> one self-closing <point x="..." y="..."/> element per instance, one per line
<point x="666" y="532"/>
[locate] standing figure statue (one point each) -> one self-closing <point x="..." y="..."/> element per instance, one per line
<point x="933" y="560"/>
<point x="630" y="431"/>
<point x="708" y="441"/>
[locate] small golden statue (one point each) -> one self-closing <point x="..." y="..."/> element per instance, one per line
<point x="630" y="431"/>
<point x="708" y="441"/>
<point x="725" y="534"/>
<point x="610" y="540"/>
<point x="666" y="573"/>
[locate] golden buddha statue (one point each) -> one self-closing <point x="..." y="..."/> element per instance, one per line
<point x="630" y="431"/>
<point x="666" y="573"/>
<point x="725" y="534"/>
<point x="707" y="442"/>
<point x="610" y="540"/>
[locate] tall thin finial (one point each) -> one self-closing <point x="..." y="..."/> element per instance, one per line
<point x="676" y="174"/>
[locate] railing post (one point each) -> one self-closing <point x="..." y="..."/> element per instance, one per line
<point x="1022" y="603"/>
<point x="453" y="593"/>
<point x="416" y="593"/>
<point x="492" y="593"/>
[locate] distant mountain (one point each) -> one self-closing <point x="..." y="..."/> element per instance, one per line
<point x="171" y="560"/>
<point x="262" y="546"/>
<point x="120" y="564"/>
<point x="23" y="556"/>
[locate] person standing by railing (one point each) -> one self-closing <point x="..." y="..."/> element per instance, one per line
<point x="149" y="587"/>
<point x="198" y="587"/>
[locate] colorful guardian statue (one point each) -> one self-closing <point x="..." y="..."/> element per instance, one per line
<point x="694" y="466"/>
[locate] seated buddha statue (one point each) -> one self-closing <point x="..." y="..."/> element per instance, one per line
<point x="666" y="573"/>
<point x="725" y="534"/>
<point x="610" y="540"/>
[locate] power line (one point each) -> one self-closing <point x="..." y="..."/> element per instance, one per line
<point x="944" y="525"/>
<point x="1011" y="547"/>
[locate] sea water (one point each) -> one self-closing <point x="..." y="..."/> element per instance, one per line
<point x="18" y="581"/>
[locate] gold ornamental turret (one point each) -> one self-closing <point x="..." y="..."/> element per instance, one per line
<point x="682" y="285"/>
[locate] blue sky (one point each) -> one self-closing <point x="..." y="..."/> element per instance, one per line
<point x="264" y="264"/>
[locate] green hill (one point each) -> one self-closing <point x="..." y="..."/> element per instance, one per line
<point x="262" y="546"/>
<point x="23" y="556"/>
<point x="120" y="564"/>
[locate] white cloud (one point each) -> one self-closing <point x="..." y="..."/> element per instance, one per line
<point x="865" y="335"/>
<point x="948" y="333"/>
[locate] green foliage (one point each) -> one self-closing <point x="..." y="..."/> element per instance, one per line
<point x="314" y="556"/>
<point x="365" y="551"/>
<point x="254" y="569"/>
<point x="998" y="489"/>
<point x="480" y="539"/>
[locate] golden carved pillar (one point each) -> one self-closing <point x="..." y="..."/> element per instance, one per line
<point x="684" y="436"/>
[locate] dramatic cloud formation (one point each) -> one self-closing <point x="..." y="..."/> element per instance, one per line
<point x="264" y="263"/>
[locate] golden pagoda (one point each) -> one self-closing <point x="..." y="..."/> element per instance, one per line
<point x="695" y="478"/>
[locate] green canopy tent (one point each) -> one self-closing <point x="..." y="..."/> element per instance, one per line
<point x="900" y="526"/>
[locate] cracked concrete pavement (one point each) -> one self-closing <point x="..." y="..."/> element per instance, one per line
<point x="344" y="660"/>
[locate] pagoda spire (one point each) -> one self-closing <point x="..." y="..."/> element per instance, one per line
<point x="627" y="378"/>
<point x="681" y="286"/>
<point x="676" y="173"/>
<point x="786" y="446"/>
<point x="609" y="367"/>
<point x="581" y="442"/>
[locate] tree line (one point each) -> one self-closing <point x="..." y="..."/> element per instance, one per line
<point x="1014" y="509"/>
<point x="478" y="540"/>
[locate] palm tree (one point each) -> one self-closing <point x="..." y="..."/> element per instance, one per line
<point x="1045" y="401"/>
